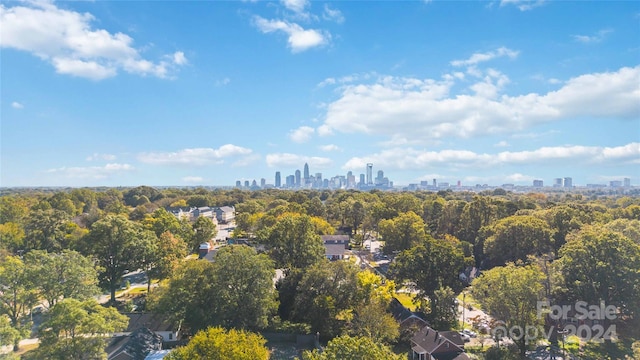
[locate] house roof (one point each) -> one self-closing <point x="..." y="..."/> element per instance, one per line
<point x="154" y="322"/>
<point x="405" y="317"/>
<point x="335" y="239"/>
<point x="227" y="209"/>
<point x="133" y="346"/>
<point x="334" y="249"/>
<point x="430" y="341"/>
<point x="454" y="337"/>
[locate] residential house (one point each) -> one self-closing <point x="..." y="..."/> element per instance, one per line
<point x="154" y="322"/>
<point x="225" y="214"/>
<point x="430" y="344"/>
<point x="134" y="346"/>
<point x="406" y="318"/>
<point x="335" y="246"/>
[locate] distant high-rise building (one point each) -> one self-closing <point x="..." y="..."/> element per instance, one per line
<point x="380" y="177"/>
<point x="568" y="182"/>
<point x="538" y="183"/>
<point x="254" y="183"/>
<point x="263" y="182"/>
<point x="361" y="183"/>
<point x="369" y="174"/>
<point x="246" y="183"/>
<point x="290" y="181"/>
<point x="435" y="183"/>
<point x="627" y="182"/>
<point x="298" y="178"/>
<point x="238" y="183"/>
<point x="306" y="173"/>
<point x="557" y="182"/>
<point x="615" y="183"/>
<point x="278" y="179"/>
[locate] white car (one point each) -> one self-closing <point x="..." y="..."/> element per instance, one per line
<point x="465" y="337"/>
<point x="469" y="333"/>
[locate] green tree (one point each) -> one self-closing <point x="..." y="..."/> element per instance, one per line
<point x="402" y="232"/>
<point x="185" y="297"/>
<point x="444" y="309"/>
<point x="8" y="334"/>
<point x="60" y="276"/>
<point x="44" y="230"/>
<point x="11" y="236"/>
<point x="597" y="264"/>
<point x="169" y="252"/>
<point x="293" y="242"/>
<point x="161" y="221"/>
<point x="243" y="294"/>
<point x="326" y="296"/>
<point x="119" y="245"/>
<point x="510" y="294"/>
<point x="514" y="238"/>
<point x="234" y="291"/>
<point x="353" y="348"/>
<point x="13" y="209"/>
<point x="204" y="230"/>
<point x="78" y="330"/>
<point x="219" y="344"/>
<point x="17" y="295"/>
<point x="372" y="320"/>
<point x="431" y="265"/>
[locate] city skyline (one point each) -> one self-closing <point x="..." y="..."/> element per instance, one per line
<point x="117" y="93"/>
<point x="305" y="180"/>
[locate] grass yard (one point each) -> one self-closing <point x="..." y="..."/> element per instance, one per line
<point x="406" y="300"/>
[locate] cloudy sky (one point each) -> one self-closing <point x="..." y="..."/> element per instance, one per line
<point x="210" y="92"/>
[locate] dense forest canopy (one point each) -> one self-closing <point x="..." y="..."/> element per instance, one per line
<point x="568" y="246"/>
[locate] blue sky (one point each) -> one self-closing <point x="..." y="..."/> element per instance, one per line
<point x="209" y="92"/>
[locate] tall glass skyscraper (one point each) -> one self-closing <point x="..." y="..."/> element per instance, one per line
<point x="306" y="173"/>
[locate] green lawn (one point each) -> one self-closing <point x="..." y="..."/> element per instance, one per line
<point x="406" y="300"/>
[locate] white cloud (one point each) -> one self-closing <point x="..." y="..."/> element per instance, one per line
<point x="330" y="147"/>
<point x="424" y="109"/>
<point x="297" y="6"/>
<point x="179" y="58"/>
<point x="67" y="40"/>
<point x="501" y="144"/>
<point x="197" y="156"/>
<point x="482" y="57"/>
<point x="596" y="38"/>
<point x="301" y="134"/>
<point x="332" y="14"/>
<point x="283" y="160"/>
<point x="17" y="105"/>
<point x="92" y="172"/>
<point x="409" y="158"/>
<point x="299" y="39"/>
<point x="193" y="179"/>
<point x="96" y="156"/>
<point x="522" y="5"/>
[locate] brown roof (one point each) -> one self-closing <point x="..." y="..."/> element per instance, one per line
<point x="431" y="341"/>
<point x="454" y="337"/>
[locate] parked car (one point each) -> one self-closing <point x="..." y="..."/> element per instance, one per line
<point x="470" y="333"/>
<point x="465" y="337"/>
